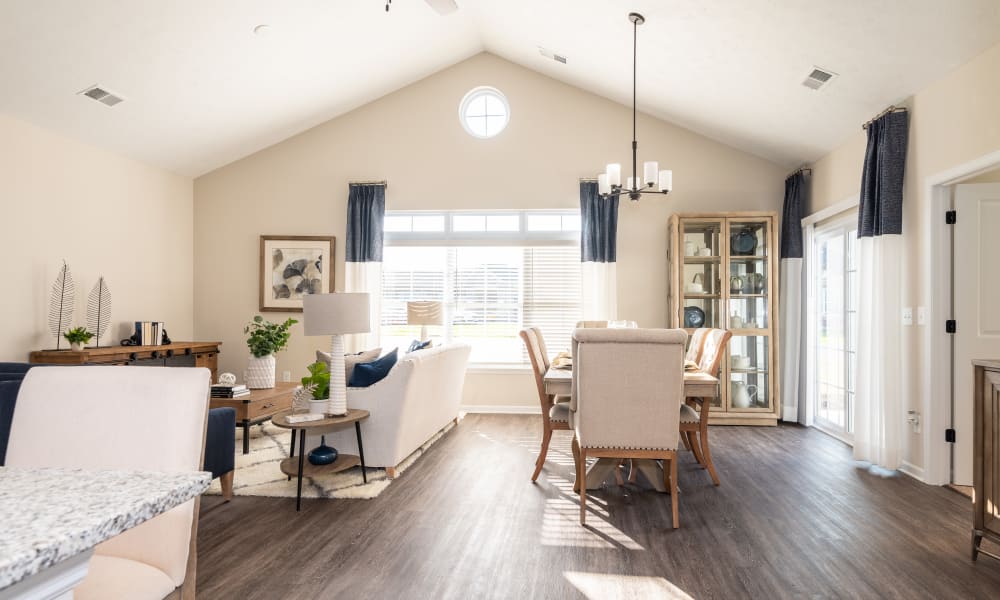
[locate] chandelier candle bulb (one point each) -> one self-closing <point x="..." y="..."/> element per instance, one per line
<point x="614" y="174"/>
<point x="602" y="184"/>
<point x="631" y="184"/>
<point x="666" y="181"/>
<point x="649" y="172"/>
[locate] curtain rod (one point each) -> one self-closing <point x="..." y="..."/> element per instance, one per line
<point x="383" y="182"/>
<point x="800" y="170"/>
<point x="588" y="180"/>
<point x="891" y="109"/>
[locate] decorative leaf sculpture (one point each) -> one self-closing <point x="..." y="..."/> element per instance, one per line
<point x="61" y="303"/>
<point x="99" y="309"/>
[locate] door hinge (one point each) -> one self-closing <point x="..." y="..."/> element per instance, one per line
<point x="950" y="326"/>
<point x="949" y="435"/>
<point x="950" y="217"/>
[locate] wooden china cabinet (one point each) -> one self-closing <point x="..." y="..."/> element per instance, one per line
<point x="724" y="274"/>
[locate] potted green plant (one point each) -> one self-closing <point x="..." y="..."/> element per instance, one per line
<point x="264" y="339"/>
<point x="77" y="337"/>
<point x="318" y="383"/>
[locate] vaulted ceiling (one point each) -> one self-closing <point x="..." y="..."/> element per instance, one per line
<point x="203" y="90"/>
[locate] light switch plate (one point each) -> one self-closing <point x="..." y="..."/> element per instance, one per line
<point x="921" y="315"/>
<point x="907" y="315"/>
<point x="286" y="376"/>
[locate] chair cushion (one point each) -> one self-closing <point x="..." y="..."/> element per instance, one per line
<point x="689" y="415"/>
<point x="366" y="374"/>
<point x="114" y="577"/>
<point x="559" y="412"/>
<point x="350" y="360"/>
<point x="418" y="345"/>
<point x="220" y="441"/>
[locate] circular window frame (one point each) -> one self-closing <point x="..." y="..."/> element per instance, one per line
<point x="474" y="94"/>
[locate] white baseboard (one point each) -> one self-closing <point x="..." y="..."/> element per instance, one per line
<point x="501" y="409"/>
<point x="913" y="471"/>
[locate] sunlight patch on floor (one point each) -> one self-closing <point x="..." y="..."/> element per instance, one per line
<point x="561" y="527"/>
<point x="606" y="586"/>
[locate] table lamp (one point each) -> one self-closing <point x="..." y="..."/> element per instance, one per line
<point x="424" y="313"/>
<point x="334" y="315"/>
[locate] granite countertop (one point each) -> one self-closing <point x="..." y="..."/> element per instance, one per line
<point x="49" y="515"/>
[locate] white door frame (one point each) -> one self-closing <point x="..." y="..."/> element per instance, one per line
<point x="936" y="361"/>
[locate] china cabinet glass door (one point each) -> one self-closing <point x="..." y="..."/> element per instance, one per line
<point x="749" y="292"/>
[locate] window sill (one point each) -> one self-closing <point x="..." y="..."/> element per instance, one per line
<point x="503" y="368"/>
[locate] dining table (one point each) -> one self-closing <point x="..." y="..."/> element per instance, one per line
<point x="697" y="384"/>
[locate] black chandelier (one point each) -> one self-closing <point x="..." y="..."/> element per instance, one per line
<point x="653" y="180"/>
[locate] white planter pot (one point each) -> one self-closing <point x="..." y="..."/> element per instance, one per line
<point x="318" y="407"/>
<point x="260" y="372"/>
<point x="76" y="346"/>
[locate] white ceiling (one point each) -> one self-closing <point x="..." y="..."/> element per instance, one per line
<point x="201" y="90"/>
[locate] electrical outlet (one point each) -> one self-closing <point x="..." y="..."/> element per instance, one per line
<point x="907" y="315"/>
<point x="921" y="315"/>
<point x="286" y="376"/>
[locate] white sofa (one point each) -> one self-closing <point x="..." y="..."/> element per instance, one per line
<point x="418" y="398"/>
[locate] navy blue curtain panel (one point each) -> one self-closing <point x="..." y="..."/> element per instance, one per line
<point x="599" y="225"/>
<point x="881" y="209"/>
<point x="365" y="216"/>
<point x="791" y="216"/>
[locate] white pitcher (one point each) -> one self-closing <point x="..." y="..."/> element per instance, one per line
<point x="742" y="394"/>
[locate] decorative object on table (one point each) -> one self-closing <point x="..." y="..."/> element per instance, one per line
<point x="323" y="454"/>
<point x="366" y="374"/>
<point x="99" y="310"/>
<point x="424" y="313"/>
<point x="736" y="284"/>
<point x="301" y="398"/>
<point x="694" y="317"/>
<point x="77" y="337"/>
<point x="132" y="340"/>
<point x="164" y="338"/>
<point x="334" y="315"/>
<point x="743" y="243"/>
<point x="742" y="394"/>
<point x="696" y="286"/>
<point x="61" y="302"/>
<point x="292" y="267"/>
<point x="224" y="390"/>
<point x="265" y="339"/>
<point x="563" y="361"/>
<point x="735" y="321"/>
<point x="317" y="382"/>
<point x="227" y="379"/>
<point x="652" y="181"/>
<point x="149" y="333"/>
<point x="414" y="346"/>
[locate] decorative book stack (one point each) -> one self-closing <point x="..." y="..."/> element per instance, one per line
<point x="149" y="333"/>
<point x="221" y="390"/>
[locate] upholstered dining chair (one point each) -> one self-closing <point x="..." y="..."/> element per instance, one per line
<point x="695" y="344"/>
<point x="147" y="418"/>
<point x="694" y="411"/>
<point x="555" y="412"/>
<point x="627" y="390"/>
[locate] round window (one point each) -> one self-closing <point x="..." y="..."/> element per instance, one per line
<point x="484" y="112"/>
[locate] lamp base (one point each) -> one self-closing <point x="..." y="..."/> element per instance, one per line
<point x="337" y="404"/>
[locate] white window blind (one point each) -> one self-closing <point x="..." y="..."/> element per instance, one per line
<point x="490" y="292"/>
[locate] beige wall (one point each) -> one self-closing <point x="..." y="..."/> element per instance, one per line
<point x="104" y="214"/>
<point x="953" y="121"/>
<point x="412" y="138"/>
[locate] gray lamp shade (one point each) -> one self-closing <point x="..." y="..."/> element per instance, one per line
<point x="424" y="312"/>
<point x="329" y="314"/>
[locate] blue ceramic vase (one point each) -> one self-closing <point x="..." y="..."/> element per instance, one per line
<point x="322" y="454"/>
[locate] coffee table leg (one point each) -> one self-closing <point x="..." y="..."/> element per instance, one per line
<point x="302" y="452"/>
<point x="361" y="451"/>
<point x="291" y="449"/>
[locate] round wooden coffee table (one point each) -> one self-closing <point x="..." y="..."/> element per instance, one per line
<point x="290" y="466"/>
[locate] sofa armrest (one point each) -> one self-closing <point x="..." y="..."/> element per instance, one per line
<point x="220" y="441"/>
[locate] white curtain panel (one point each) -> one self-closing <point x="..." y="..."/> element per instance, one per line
<point x="365" y="277"/>
<point x="600" y="291"/>
<point x="878" y="417"/>
<point x="789" y="331"/>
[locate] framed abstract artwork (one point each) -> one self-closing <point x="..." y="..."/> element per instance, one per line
<point x="292" y="266"/>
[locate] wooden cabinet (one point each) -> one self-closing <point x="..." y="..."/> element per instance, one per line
<point x="177" y="354"/>
<point x="986" y="456"/>
<point x="724" y="274"/>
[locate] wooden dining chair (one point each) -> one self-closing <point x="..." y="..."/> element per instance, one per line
<point x="555" y="412"/>
<point x="694" y="412"/>
<point x="627" y="389"/>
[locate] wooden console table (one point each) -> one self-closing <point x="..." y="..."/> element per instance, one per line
<point x="258" y="406"/>
<point x="177" y="354"/>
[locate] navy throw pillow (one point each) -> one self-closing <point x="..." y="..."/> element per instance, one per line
<point x="418" y="345"/>
<point x="366" y="374"/>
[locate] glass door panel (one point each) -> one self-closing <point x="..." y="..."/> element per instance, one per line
<point x="701" y="274"/>
<point x="749" y="369"/>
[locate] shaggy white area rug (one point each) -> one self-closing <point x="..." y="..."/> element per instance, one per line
<point x="258" y="473"/>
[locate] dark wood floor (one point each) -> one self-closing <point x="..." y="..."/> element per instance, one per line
<point x="794" y="517"/>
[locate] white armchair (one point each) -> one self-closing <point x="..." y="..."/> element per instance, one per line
<point x="145" y="418"/>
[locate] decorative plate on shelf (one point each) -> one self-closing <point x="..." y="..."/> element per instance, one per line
<point x="743" y="243"/>
<point x="694" y="317"/>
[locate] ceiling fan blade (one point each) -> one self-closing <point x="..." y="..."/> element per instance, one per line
<point x="443" y="7"/>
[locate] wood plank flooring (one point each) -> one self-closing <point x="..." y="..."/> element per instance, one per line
<point x="794" y="517"/>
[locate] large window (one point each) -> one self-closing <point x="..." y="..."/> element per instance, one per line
<point x="494" y="272"/>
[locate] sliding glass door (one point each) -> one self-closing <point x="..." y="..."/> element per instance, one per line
<point x="834" y="280"/>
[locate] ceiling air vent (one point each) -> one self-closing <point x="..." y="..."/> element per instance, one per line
<point x="102" y="95"/>
<point x="818" y="78"/>
<point x="550" y="54"/>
